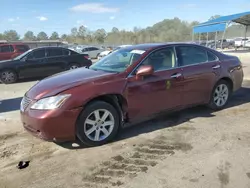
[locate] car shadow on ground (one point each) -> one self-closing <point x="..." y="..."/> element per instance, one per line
<point x="8" y="105"/>
<point x="170" y="120"/>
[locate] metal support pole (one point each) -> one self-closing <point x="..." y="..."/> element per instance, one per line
<point x="224" y="34"/>
<point x="207" y="39"/>
<point x="215" y="39"/>
<point x="245" y="36"/>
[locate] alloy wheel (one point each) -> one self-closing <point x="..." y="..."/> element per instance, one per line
<point x="99" y="125"/>
<point x="8" y="77"/>
<point x="73" y="67"/>
<point x="221" y="94"/>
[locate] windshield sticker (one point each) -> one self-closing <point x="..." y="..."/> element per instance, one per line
<point x="137" y="51"/>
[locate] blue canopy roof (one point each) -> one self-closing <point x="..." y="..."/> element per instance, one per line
<point x="219" y="24"/>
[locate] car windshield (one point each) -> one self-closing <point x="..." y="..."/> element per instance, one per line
<point x="22" y="55"/>
<point x="118" y="61"/>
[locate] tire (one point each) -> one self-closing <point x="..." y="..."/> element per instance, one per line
<point x="92" y="133"/>
<point x="97" y="55"/>
<point x="73" y="66"/>
<point x="220" y="95"/>
<point x="8" y="76"/>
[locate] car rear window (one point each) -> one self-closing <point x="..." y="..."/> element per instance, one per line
<point x="22" y="48"/>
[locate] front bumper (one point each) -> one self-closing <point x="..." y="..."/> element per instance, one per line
<point x="51" y="125"/>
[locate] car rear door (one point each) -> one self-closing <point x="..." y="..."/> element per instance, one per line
<point x="56" y="60"/>
<point x="201" y="70"/>
<point x="35" y="64"/>
<point x="158" y="92"/>
<point x="6" y="52"/>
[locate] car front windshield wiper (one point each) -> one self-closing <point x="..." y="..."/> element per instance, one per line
<point x="104" y="70"/>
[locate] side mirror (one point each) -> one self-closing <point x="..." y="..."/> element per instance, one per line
<point x="145" y="70"/>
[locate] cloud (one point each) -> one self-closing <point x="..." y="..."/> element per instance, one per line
<point x="42" y="18"/>
<point x="111" y="17"/>
<point x="93" y="8"/>
<point x="11" y="19"/>
<point x="189" y="5"/>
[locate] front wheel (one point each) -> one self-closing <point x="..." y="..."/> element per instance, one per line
<point x="220" y="95"/>
<point x="97" y="124"/>
<point x="8" y="77"/>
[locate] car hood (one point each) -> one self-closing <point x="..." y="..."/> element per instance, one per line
<point x="60" y="82"/>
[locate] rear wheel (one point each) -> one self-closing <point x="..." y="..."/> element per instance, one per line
<point x="8" y="76"/>
<point x="98" y="124"/>
<point x="73" y="66"/>
<point x="220" y="95"/>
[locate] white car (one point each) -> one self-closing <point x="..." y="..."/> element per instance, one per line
<point x="240" y="42"/>
<point x="93" y="52"/>
<point x="104" y="53"/>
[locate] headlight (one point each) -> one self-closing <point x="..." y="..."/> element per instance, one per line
<point x="50" y="102"/>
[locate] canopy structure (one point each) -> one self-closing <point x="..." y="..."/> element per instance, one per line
<point x="220" y="24"/>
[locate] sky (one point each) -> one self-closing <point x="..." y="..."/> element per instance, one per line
<point x="62" y="15"/>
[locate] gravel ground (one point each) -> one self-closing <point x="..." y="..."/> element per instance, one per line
<point x="193" y="148"/>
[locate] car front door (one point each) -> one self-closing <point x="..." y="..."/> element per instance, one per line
<point x="34" y="64"/>
<point x="201" y="69"/>
<point x="158" y="92"/>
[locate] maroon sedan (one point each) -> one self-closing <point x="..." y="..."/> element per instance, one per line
<point x="131" y="84"/>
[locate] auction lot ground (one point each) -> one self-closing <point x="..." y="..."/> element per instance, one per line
<point x="193" y="148"/>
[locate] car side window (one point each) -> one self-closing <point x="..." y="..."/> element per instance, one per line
<point x="94" y="48"/>
<point x="189" y="55"/>
<point x="65" y="52"/>
<point x="211" y="56"/>
<point x="22" y="48"/>
<point x="54" y="52"/>
<point x="37" y="54"/>
<point x="163" y="59"/>
<point x="6" y="48"/>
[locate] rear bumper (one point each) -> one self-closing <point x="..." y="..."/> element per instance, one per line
<point x="237" y="75"/>
<point x="53" y="125"/>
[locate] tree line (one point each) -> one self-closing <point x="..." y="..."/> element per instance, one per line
<point x="168" y="30"/>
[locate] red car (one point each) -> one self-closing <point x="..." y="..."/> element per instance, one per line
<point x="130" y="85"/>
<point x="10" y="51"/>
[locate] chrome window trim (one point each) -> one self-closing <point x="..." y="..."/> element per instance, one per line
<point x="177" y="65"/>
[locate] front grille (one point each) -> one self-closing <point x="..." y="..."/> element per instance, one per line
<point x="25" y="102"/>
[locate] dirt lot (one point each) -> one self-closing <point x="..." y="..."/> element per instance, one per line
<point x="193" y="148"/>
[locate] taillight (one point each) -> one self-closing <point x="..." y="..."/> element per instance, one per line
<point x="86" y="56"/>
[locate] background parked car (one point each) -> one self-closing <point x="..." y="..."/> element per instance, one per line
<point x="9" y="51"/>
<point x="93" y="52"/>
<point x="41" y="62"/>
<point x="240" y="42"/>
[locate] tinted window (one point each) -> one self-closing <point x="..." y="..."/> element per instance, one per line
<point x="65" y="52"/>
<point x="37" y="54"/>
<point x="161" y="60"/>
<point x="94" y="48"/>
<point x="189" y="55"/>
<point x="22" y="48"/>
<point x="52" y="52"/>
<point x="6" y="48"/>
<point x="211" y="57"/>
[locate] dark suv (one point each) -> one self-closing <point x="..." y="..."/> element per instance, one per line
<point x="10" y="51"/>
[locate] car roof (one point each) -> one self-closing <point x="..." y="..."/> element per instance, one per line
<point x="13" y="44"/>
<point x="51" y="47"/>
<point x="148" y="46"/>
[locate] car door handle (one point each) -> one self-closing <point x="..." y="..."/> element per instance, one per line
<point x="216" y="67"/>
<point x="177" y="75"/>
